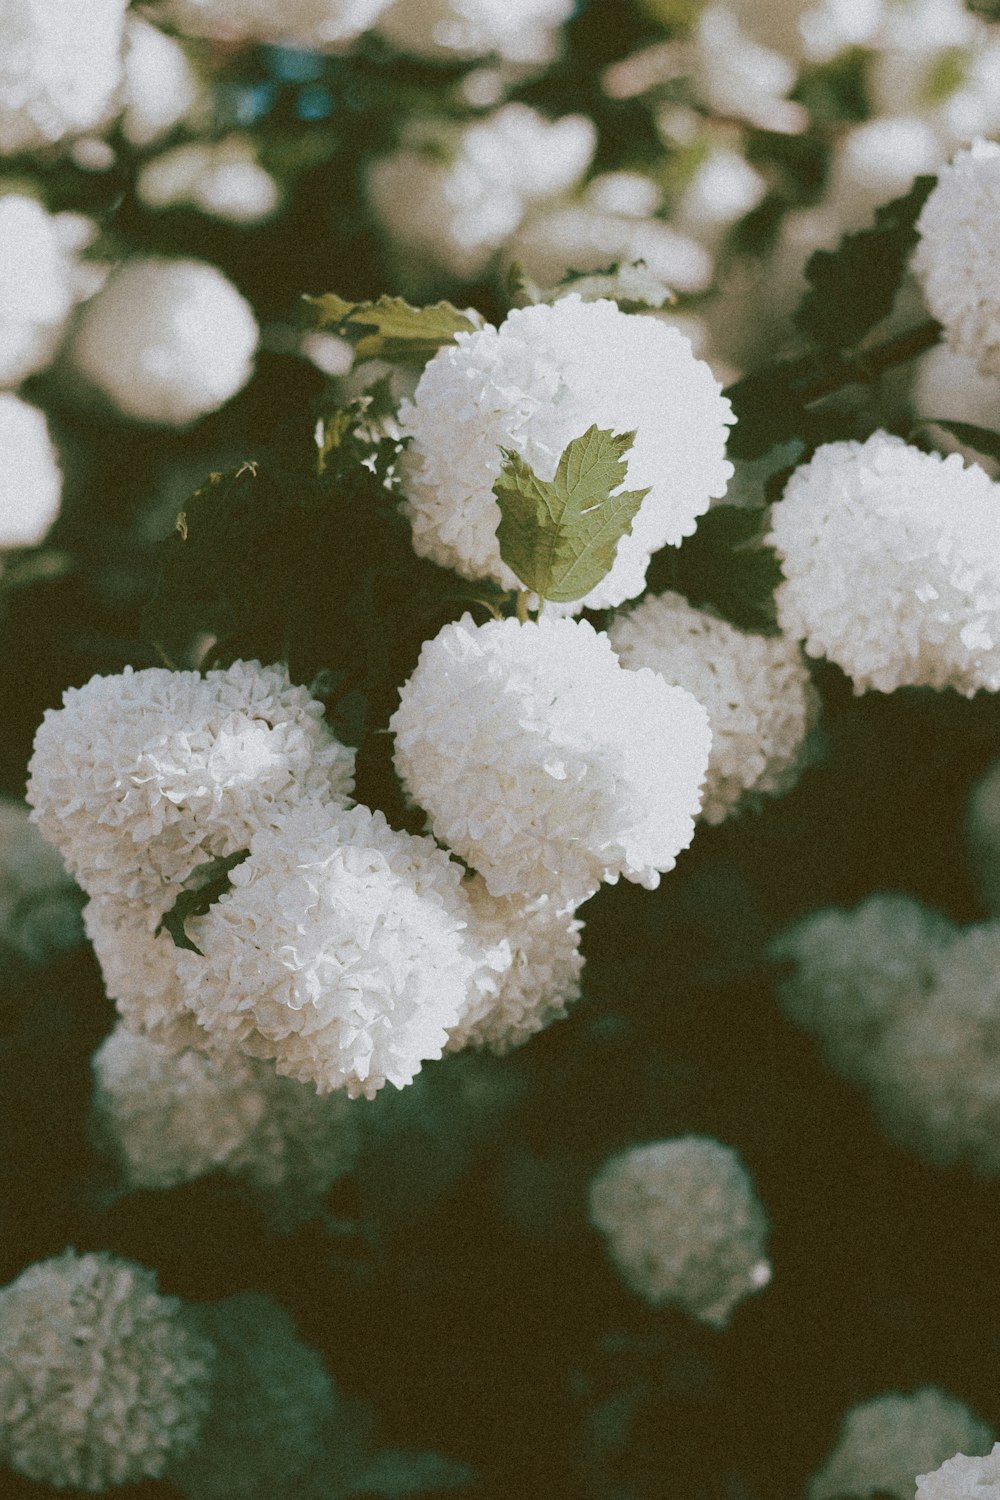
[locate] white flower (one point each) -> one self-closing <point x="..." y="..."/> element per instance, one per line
<point x="876" y="162"/>
<point x="582" y="236"/>
<point x="141" y="777"/>
<point x="884" y="1443"/>
<point x="38" y="285"/>
<point x="951" y="385"/>
<point x="39" y="907"/>
<point x="340" y="951"/>
<point x="101" y="1382"/>
<point x="962" y="1478"/>
<point x="539" y="381"/>
<point x="891" y="559"/>
<point x="982" y="825"/>
<point x="682" y="1223"/>
<point x="957" y="259"/>
<point x="166" y="341"/>
<point x="541" y="976"/>
<point x="313" y="25"/>
<point x="60" y="65"/>
<point x="519" y="31"/>
<point x="545" y="764"/>
<point x="30" y="476"/>
<point x="723" y="189"/>
<point x="756" y="690"/>
<point x="221" y="178"/>
<point x="161" y="87"/>
<point x="734" y="75"/>
<point x="139" y="967"/>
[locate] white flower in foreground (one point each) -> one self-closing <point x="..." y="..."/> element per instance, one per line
<point x="166" y="341"/>
<point x="102" y="1381"/>
<point x="962" y="1478"/>
<point x="139" y="967"/>
<point x="38" y="285"/>
<point x="883" y="1444"/>
<point x="60" y="65"/>
<point x="161" y="87"/>
<point x="544" y="763"/>
<point x="756" y="690"/>
<point x="39" y="905"/>
<point x="519" y="31"/>
<point x="957" y="259"/>
<point x="982" y="825"/>
<point x="541" y="981"/>
<point x="143" y="776"/>
<point x="533" y="385"/>
<point x="682" y="1223"/>
<point x="891" y="559"/>
<point x="30" y="476"/>
<point x="340" y="951"/>
<point x="221" y="178"/>
<point x="311" y="25"/>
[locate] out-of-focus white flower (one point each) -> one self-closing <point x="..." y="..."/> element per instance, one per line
<point x="541" y="981"/>
<point x="161" y="86"/>
<point x="734" y="75"/>
<point x="455" y="210"/>
<point x="724" y="188"/>
<point x="962" y="1478"/>
<point x="544" y="763"/>
<point x="891" y="559"/>
<point x="341" y="951"/>
<point x="143" y="776"/>
<point x="952" y="386"/>
<point x="30" y="476"/>
<point x="313" y="25"/>
<point x="39" y="906"/>
<point x="102" y="1381"/>
<point x="222" y="178"/>
<point x="166" y="341"/>
<point x="682" y="1223"/>
<point x="756" y="690"/>
<point x="578" y="236"/>
<point x="60" y="65"/>
<point x="884" y="1443"/>
<point x="518" y="31"/>
<point x="957" y="259"/>
<point x="982" y="824"/>
<point x="533" y="385"/>
<point x="39" y="284"/>
<point x="876" y="162"/>
<point x="627" y="193"/>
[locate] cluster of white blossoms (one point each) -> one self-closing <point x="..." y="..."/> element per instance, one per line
<point x="544" y="763"/>
<point x="516" y="31"/>
<point x="884" y="1443"/>
<point x="313" y="25"/>
<point x="533" y="385"/>
<point x="39" y="909"/>
<point x="166" y="341"/>
<point x="682" y="1223"/>
<point x="756" y="690"/>
<point x="41" y="279"/>
<point x="30" y="475"/>
<point x="223" y="179"/>
<point x="60" y="66"/>
<point x="891" y="562"/>
<point x="102" y="1380"/>
<point x="962" y="1478"/>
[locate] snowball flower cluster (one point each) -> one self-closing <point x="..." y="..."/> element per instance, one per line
<point x="544" y="763"/>
<point x="891" y="559"/>
<point x="143" y="776"/>
<point x="683" y="1224"/>
<point x="957" y="259"/>
<point x="962" y="1478"/>
<point x="311" y="25"/>
<point x="160" y="85"/>
<point x="102" y="1381"/>
<point x="60" y="65"/>
<point x="39" y="282"/>
<point x="533" y="385"/>
<point x="756" y="690"/>
<point x="30" y="476"/>
<point x="39" y="906"/>
<point x="340" y="951"/>
<point x="166" y="341"/>
<point x="221" y="178"/>
<point x="883" y="1444"/>
<point x="518" y="31"/>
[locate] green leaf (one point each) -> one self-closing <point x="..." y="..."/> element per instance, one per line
<point x="853" y="287"/>
<point x="390" y="328"/>
<point x="983" y="439"/>
<point x="560" y="536"/>
<point x="212" y="882"/>
<point x="726" y="564"/>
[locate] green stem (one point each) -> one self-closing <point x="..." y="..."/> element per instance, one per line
<point x="522" y="606"/>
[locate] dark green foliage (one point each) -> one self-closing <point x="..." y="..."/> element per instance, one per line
<point x="726" y="564"/>
<point x="212" y="881"/>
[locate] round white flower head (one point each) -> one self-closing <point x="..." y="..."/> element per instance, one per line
<point x="143" y="776"/>
<point x="30" y="476"/>
<point x="340" y="951"/>
<point x="161" y="87"/>
<point x="891" y="559"/>
<point x="756" y="690"/>
<point x="171" y="1115"/>
<point x="541" y="979"/>
<point x="682" y="1223"/>
<point x="524" y="31"/>
<point x="544" y="763"/>
<point x="39" y="905"/>
<point x="59" y="68"/>
<point x="540" y="380"/>
<point x="221" y="178"/>
<point x="957" y="259"/>
<point x="37" y="286"/>
<point x="271" y="1401"/>
<point x="982" y="825"/>
<point x="962" y="1478"/>
<point x="166" y="341"/>
<point x="102" y="1382"/>
<point x="313" y="25"/>
<point x="139" y="967"/>
<point x="883" y="1444"/>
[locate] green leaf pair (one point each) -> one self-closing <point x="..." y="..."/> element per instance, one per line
<point x="391" y="328"/>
